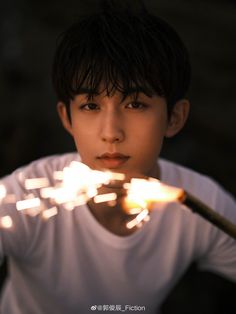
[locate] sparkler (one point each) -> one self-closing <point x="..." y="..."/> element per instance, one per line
<point x="77" y="184"/>
<point x="145" y="193"/>
<point x="209" y="214"/>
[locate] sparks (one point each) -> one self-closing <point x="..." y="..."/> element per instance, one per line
<point x="76" y="184"/>
<point x="102" y="198"/>
<point x="3" y="191"/>
<point x="48" y="213"/>
<point x="36" y="183"/>
<point x="138" y="219"/>
<point x="28" y="203"/>
<point x="6" y="222"/>
<point x="143" y="193"/>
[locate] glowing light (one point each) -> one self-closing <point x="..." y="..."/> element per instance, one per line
<point x="78" y="201"/>
<point x="91" y="191"/>
<point x="36" y="183"/>
<point x="138" y="219"/>
<point x="116" y="176"/>
<point x="6" y="222"/>
<point x="144" y="193"/>
<point x="58" y="175"/>
<point x="76" y="184"/>
<point x="3" y="191"/>
<point x="102" y="198"/>
<point x="33" y="211"/>
<point x="28" y="203"/>
<point x="133" y="210"/>
<point x="78" y="179"/>
<point x="47" y="192"/>
<point x="61" y="195"/>
<point x="48" y="213"/>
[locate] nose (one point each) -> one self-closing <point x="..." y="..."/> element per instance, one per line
<point x="112" y="129"/>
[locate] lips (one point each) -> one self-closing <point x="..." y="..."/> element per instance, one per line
<point x="112" y="160"/>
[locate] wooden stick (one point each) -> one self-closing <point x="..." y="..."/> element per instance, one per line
<point x="209" y="214"/>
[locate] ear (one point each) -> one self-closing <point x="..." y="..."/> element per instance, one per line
<point x="61" y="109"/>
<point x="178" y="117"/>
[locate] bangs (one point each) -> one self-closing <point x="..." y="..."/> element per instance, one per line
<point x="104" y="76"/>
<point x="105" y="59"/>
<point x="124" y="52"/>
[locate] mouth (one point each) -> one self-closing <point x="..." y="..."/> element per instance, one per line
<point x="112" y="160"/>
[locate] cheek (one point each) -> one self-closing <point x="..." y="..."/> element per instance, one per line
<point x="80" y="129"/>
<point x="152" y="131"/>
<point x="80" y="137"/>
<point x="150" y="140"/>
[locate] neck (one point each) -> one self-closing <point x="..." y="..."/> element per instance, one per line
<point x="113" y="218"/>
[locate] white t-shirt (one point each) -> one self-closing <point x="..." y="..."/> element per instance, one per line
<point x="69" y="263"/>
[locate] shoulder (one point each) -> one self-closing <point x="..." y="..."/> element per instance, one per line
<point x="186" y="178"/>
<point x="53" y="163"/>
<point x="200" y="185"/>
<point x="47" y="165"/>
<point x="179" y="175"/>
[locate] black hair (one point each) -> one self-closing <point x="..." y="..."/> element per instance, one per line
<point x="125" y="49"/>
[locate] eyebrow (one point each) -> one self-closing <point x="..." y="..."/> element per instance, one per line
<point x="137" y="90"/>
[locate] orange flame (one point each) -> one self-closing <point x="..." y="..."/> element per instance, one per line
<point x="144" y="193"/>
<point x="77" y="184"/>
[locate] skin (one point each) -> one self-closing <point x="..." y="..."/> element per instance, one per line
<point x="135" y="129"/>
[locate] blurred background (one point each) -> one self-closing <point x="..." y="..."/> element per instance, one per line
<point x="30" y="129"/>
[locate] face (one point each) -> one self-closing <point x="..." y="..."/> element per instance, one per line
<point x="120" y="135"/>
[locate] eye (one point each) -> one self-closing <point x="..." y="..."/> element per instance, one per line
<point x="136" y="105"/>
<point x="89" y="107"/>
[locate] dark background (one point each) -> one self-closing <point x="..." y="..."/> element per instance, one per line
<point x="30" y="128"/>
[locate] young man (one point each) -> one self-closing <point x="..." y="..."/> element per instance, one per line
<point x="121" y="79"/>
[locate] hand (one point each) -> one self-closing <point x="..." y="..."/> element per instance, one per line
<point x="114" y="215"/>
<point x="110" y="197"/>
